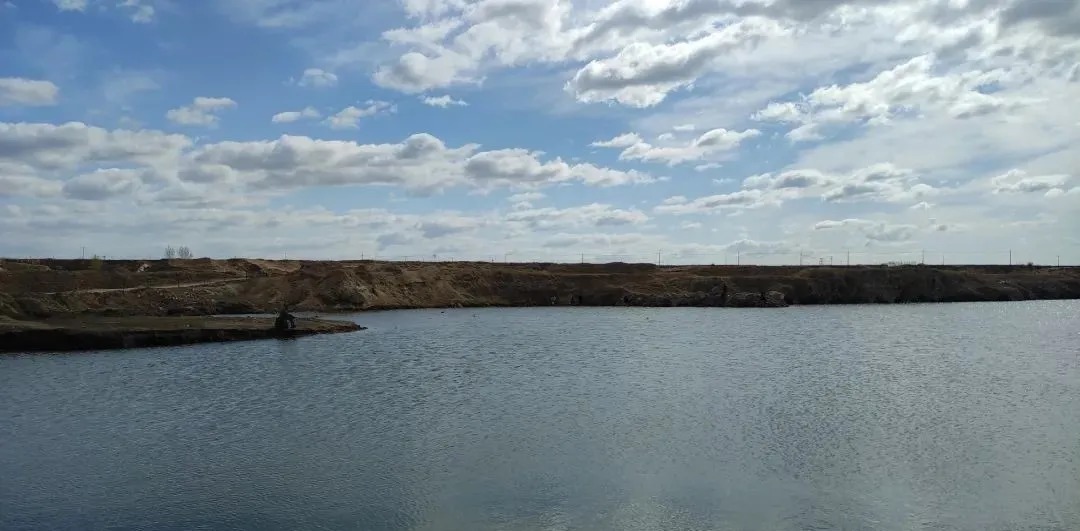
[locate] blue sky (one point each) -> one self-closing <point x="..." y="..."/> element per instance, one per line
<point x="773" y="130"/>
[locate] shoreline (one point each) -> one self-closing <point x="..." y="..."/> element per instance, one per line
<point x="101" y="333"/>
<point x="92" y="333"/>
<point x="68" y="304"/>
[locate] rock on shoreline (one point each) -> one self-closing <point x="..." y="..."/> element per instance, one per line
<point x="102" y="333"/>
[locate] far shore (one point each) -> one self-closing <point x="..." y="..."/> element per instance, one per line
<point x="54" y="304"/>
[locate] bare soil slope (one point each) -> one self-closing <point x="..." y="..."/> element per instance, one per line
<point x="57" y="288"/>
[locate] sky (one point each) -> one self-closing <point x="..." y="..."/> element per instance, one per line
<point x="685" y="131"/>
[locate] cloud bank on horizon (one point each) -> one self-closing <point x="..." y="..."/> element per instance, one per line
<point x="772" y="130"/>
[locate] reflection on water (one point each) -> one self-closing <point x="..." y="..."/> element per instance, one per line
<point x="894" y="417"/>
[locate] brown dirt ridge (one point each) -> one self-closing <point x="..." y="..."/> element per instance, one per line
<point x="51" y="289"/>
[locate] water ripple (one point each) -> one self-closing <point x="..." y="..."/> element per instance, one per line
<point x="867" y="417"/>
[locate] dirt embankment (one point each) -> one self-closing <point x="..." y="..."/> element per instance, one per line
<point x="57" y="288"/>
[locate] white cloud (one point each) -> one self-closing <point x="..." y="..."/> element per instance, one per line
<point x="714" y="203"/>
<point x="877" y="183"/>
<point x="103" y="184"/>
<point x="905" y="111"/>
<point x="317" y="78"/>
<point x="526" y="197"/>
<point x="911" y="87"/>
<point x="710" y="143"/>
<point x="70" y="5"/>
<point x="877" y="231"/>
<point x="592" y="215"/>
<point x="622" y="141"/>
<point x="140" y="11"/>
<point x="27" y="185"/>
<point x="48" y="147"/>
<point x="293" y="116"/>
<point x="1018" y="182"/>
<point x="443" y="101"/>
<point x="349" y="117"/>
<point x="642" y="74"/>
<point x="594" y="241"/>
<point x="415" y="72"/>
<point x="420" y="163"/>
<point x="27" y="92"/>
<point x="203" y="111"/>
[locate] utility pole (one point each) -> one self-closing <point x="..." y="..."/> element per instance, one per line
<point x="1010" y="257"/>
<point x="1059" y="260"/>
<point x="738" y="258"/>
<point x="84" y="252"/>
<point x="849" y="258"/>
<point x="924" y="257"/>
<point x="658" y="257"/>
<point x="583" y="258"/>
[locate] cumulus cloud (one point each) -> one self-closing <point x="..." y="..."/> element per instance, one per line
<point x="526" y="197"/>
<point x="591" y="215"/>
<point x="27" y="185"/>
<point x="294" y="116"/>
<point x="443" y="101"/>
<point x="642" y="74"/>
<point x="317" y="78"/>
<point x="421" y="163"/>
<point x="203" y="111"/>
<point x="1019" y="182"/>
<point x="446" y="225"/>
<point x="27" y="92"/>
<point x="415" y="72"/>
<point x="708" y="144"/>
<point x="349" y="117"/>
<point x="70" y="5"/>
<point x="622" y="141"/>
<point x="911" y="87"/>
<point x="592" y="241"/>
<point x="48" y="147"/>
<point x="877" y="231"/>
<point x="877" y="183"/>
<point x="138" y="10"/>
<point x="713" y="203"/>
<point x="103" y="184"/>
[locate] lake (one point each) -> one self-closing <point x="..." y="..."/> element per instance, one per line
<point x="950" y="416"/>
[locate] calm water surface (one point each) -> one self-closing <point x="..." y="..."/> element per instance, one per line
<point x="963" y="416"/>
